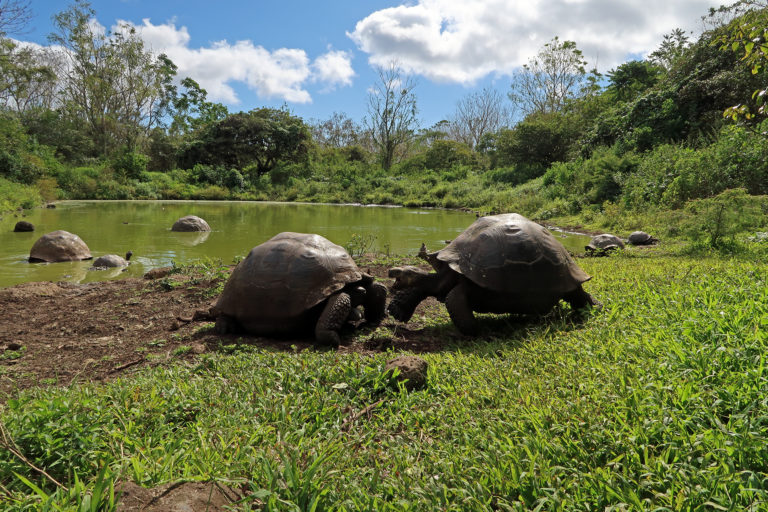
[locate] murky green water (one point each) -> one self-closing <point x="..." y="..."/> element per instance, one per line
<point x="144" y="228"/>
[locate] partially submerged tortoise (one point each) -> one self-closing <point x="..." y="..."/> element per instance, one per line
<point x="58" y="246"/>
<point x="297" y="282"/>
<point x="112" y="261"/>
<point x="500" y="264"/>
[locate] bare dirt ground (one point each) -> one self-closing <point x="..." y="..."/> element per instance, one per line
<point x="61" y="333"/>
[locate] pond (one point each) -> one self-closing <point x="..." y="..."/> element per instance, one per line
<point x="144" y="228"/>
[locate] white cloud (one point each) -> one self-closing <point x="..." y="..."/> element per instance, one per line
<point x="465" y="40"/>
<point x="334" y="69"/>
<point x="282" y="73"/>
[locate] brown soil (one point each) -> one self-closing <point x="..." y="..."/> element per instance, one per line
<point x="61" y="333"/>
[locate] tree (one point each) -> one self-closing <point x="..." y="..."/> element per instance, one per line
<point x="338" y="131"/>
<point x="671" y="49"/>
<point x="476" y="114"/>
<point x="550" y="79"/>
<point x="190" y="109"/>
<point x="259" y="138"/>
<point x="113" y="84"/>
<point x="748" y="34"/>
<point x="27" y="77"/>
<point x="633" y="78"/>
<point x="14" y="16"/>
<point x="391" y="112"/>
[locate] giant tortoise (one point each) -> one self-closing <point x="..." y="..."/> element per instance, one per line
<point x="57" y="246"/>
<point x="500" y="264"/>
<point x="297" y="282"/>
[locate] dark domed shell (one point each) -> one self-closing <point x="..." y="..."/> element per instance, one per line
<point x="23" y="226"/>
<point x="59" y="246"/>
<point x="504" y="252"/>
<point x="285" y="276"/>
<point x="639" y="238"/>
<point x="605" y="241"/>
<point x="110" y="260"/>
<point x="190" y="223"/>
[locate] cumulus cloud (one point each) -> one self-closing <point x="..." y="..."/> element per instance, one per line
<point x="282" y="73"/>
<point x="465" y="40"/>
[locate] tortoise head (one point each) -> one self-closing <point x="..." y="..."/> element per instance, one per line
<point x="409" y="277"/>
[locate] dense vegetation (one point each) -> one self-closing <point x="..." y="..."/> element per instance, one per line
<point x="657" y="402"/>
<point x="686" y="124"/>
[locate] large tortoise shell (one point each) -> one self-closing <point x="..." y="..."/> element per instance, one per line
<point x="509" y="252"/>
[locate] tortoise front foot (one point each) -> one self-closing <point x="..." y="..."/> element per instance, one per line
<point x="460" y="312"/>
<point x="225" y="325"/>
<point x="335" y="313"/>
<point x="579" y="299"/>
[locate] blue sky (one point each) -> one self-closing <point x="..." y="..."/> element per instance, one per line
<point x="318" y="56"/>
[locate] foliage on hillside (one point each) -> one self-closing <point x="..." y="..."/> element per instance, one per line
<point x="651" y="135"/>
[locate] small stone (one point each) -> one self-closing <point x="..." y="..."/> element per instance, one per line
<point x="413" y="371"/>
<point x="13" y="346"/>
<point x="199" y="348"/>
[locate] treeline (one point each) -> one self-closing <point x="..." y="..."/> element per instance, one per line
<point x="96" y="115"/>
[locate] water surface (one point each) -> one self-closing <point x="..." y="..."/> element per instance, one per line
<point x="115" y="227"/>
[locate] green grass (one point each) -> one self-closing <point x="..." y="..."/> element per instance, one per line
<point x="656" y="402"/>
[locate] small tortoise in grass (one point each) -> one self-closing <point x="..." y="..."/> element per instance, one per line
<point x="600" y="245"/>
<point x="641" y="238"/>
<point x="500" y="264"/>
<point x="294" y="283"/>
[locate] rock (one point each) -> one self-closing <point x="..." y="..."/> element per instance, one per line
<point x="190" y="223"/>
<point x="23" y="226"/>
<point x="158" y="273"/>
<point x="413" y="371"/>
<point x="59" y="246"/>
<point x="198" y="348"/>
<point x="177" y="497"/>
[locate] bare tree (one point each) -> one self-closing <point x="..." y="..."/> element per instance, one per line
<point x="392" y="112"/>
<point x="550" y="79"/>
<point x="479" y="113"/>
<point x="338" y="131"/>
<point x="14" y="16"/>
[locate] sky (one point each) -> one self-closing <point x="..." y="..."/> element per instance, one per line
<point x="320" y="57"/>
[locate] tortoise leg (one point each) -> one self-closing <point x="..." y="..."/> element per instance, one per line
<point x="460" y="312"/>
<point x="335" y="313"/>
<point x="225" y="325"/>
<point x="375" y="303"/>
<point x="578" y="299"/>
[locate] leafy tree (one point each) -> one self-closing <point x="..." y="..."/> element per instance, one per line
<point x="671" y="49"/>
<point x="27" y="77"/>
<point x="392" y="113"/>
<point x="189" y="108"/>
<point x="633" y="78"/>
<point x="112" y="84"/>
<point x="476" y="114"/>
<point x="748" y="34"/>
<point x="257" y="139"/>
<point x="550" y="79"/>
<point x="444" y="154"/>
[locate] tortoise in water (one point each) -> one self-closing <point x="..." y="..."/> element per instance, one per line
<point x="59" y="246"/>
<point x="112" y="261"/>
<point x="297" y="282"/>
<point x="500" y="264"/>
<point x="601" y="244"/>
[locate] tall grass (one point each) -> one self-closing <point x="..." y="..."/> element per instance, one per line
<point x="656" y="402"/>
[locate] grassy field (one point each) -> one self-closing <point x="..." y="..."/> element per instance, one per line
<point x="655" y="402"/>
